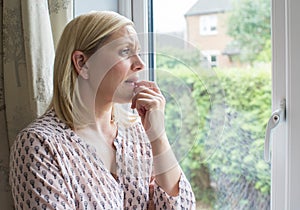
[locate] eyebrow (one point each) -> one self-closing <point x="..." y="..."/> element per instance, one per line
<point x="135" y="44"/>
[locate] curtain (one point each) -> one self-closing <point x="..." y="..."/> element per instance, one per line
<point x="29" y="33"/>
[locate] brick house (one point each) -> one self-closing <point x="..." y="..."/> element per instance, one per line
<point x="206" y="29"/>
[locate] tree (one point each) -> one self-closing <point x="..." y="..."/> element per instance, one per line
<point x="249" y="26"/>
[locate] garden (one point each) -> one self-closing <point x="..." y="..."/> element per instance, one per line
<point x="216" y="120"/>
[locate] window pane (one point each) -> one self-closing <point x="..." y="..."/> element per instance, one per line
<point x="89" y="5"/>
<point x="213" y="64"/>
<point x="208" y="24"/>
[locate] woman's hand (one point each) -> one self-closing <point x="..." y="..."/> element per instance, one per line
<point x="150" y="105"/>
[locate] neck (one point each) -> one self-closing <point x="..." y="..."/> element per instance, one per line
<point x="104" y="115"/>
<point x="104" y="123"/>
<point x="101" y="135"/>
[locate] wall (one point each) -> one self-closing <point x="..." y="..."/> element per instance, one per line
<point x="216" y="42"/>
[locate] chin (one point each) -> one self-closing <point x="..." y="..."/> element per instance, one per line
<point x="123" y="96"/>
<point x="122" y="100"/>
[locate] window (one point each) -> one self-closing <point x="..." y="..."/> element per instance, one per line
<point x="213" y="61"/>
<point x="208" y="25"/>
<point x="89" y="5"/>
<point x="285" y="148"/>
<point x="216" y="116"/>
<point x="211" y="57"/>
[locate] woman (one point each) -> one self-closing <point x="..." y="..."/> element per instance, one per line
<point x="86" y="152"/>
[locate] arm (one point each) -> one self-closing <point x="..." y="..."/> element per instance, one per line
<point x="150" y="105"/>
<point x="35" y="175"/>
<point x="166" y="169"/>
<point x="169" y="191"/>
<point x="171" y="188"/>
<point x="184" y="200"/>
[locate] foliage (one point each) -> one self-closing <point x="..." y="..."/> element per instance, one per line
<point x="249" y="25"/>
<point x="182" y="122"/>
<point x="167" y="57"/>
<point x="240" y="158"/>
<point x="217" y="155"/>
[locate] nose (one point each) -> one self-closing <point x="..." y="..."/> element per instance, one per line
<point x="138" y="64"/>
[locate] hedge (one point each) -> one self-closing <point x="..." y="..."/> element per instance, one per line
<point x="216" y="121"/>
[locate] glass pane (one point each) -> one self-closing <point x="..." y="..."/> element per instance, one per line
<point x="213" y="64"/>
<point x="81" y="7"/>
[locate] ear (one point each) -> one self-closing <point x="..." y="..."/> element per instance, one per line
<point x="79" y="59"/>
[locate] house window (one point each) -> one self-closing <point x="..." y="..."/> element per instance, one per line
<point x="208" y="25"/>
<point x="211" y="57"/>
<point x="213" y="60"/>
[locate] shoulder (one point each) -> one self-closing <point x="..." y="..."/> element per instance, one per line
<point x="48" y="124"/>
<point x="43" y="130"/>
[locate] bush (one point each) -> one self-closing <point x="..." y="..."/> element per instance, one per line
<point x="220" y="151"/>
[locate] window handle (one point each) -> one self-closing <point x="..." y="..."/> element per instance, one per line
<point x="276" y="117"/>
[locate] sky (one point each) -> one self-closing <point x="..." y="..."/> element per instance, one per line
<point x="88" y="5"/>
<point x="169" y="14"/>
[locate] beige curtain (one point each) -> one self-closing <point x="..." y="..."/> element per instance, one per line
<point x="29" y="33"/>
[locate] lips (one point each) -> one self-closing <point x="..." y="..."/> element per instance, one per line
<point x="132" y="80"/>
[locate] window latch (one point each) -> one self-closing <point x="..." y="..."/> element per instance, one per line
<point x="276" y="117"/>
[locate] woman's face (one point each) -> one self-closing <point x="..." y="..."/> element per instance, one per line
<point x="117" y="64"/>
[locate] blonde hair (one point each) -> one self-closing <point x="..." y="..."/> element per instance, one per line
<point x="85" y="33"/>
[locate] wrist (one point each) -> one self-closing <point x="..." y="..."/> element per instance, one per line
<point x="160" y="145"/>
<point x="164" y="159"/>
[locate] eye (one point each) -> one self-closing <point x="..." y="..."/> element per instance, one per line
<point x="139" y="53"/>
<point x="124" y="52"/>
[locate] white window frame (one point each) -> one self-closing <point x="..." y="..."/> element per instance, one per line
<point x="208" y="54"/>
<point x="285" y="184"/>
<point x="278" y="162"/>
<point x="293" y="103"/>
<point x="207" y="23"/>
<point x="137" y="11"/>
<point x="125" y="8"/>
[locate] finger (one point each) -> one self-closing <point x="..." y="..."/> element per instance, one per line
<point x="149" y="84"/>
<point x="141" y="112"/>
<point x="155" y="100"/>
<point x="145" y="94"/>
<point x="145" y="89"/>
<point x="145" y="103"/>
